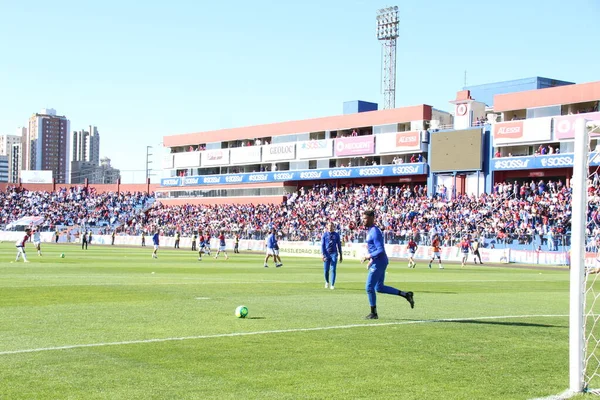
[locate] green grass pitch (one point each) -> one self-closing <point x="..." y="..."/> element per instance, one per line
<point x="112" y="323"/>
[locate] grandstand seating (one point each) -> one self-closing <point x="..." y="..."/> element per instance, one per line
<point x="532" y="215"/>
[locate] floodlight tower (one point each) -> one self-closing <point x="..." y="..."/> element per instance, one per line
<point x="387" y="33"/>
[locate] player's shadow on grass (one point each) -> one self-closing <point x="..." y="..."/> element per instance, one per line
<point x="416" y="293"/>
<point x="524" y="324"/>
<point x="256" y="318"/>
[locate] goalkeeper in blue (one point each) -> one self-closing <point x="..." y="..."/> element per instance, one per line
<point x="378" y="262"/>
<point x="331" y="247"/>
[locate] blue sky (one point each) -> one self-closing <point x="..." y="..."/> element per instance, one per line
<point x="143" y="70"/>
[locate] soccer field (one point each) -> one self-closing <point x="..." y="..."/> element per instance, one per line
<point x="112" y="323"/>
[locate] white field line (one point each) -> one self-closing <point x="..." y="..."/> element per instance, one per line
<point x="204" y="282"/>
<point x="567" y="394"/>
<point x="294" y="330"/>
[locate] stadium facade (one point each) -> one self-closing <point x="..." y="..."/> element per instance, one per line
<point x="526" y="135"/>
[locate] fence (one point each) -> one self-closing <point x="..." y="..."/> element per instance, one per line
<point x="516" y="241"/>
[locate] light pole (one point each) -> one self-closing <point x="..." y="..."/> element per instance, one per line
<point x="148" y="162"/>
<point x="388" y="25"/>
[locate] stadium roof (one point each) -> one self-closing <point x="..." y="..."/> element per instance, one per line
<point x="570" y="94"/>
<point x="338" y="122"/>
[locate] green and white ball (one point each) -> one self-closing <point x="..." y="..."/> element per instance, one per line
<point x="62" y="255"/>
<point x="241" y="312"/>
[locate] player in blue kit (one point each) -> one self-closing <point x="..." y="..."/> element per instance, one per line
<point x="155" y="241"/>
<point x="272" y="249"/>
<point x="378" y="262"/>
<point x="331" y="246"/>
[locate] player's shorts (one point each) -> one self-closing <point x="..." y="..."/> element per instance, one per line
<point x="436" y="254"/>
<point x="222" y="248"/>
<point x="412" y="252"/>
<point x="465" y="252"/>
<point x="155" y="247"/>
<point x="36" y="244"/>
<point x="272" y="252"/>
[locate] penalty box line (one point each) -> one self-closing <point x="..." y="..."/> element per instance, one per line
<point x="276" y="331"/>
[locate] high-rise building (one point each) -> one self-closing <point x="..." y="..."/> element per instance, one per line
<point x="86" y="146"/>
<point x="46" y="145"/>
<point x="4" y="169"/>
<point x="14" y="163"/>
<point x="7" y="143"/>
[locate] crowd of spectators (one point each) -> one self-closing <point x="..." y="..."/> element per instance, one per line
<point x="74" y="206"/>
<point x="532" y="212"/>
<point x="515" y="212"/>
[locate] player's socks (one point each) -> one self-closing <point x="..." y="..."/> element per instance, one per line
<point x="373" y="314"/>
<point x="429" y="265"/>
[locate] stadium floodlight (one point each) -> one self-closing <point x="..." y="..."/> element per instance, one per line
<point x="388" y="24"/>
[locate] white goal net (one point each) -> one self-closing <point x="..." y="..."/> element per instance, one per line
<point x="584" y="320"/>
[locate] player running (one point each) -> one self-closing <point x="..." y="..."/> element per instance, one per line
<point x="222" y="246"/>
<point x="412" y="249"/>
<point x="37" y="241"/>
<point x="436" y="251"/>
<point x="20" y="244"/>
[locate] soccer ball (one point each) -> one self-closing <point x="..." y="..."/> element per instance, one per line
<point x="241" y="312"/>
<point x="62" y="255"/>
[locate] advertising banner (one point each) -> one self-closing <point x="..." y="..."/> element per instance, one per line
<point x="539" y="162"/>
<point x="279" y="152"/>
<point x="523" y="131"/>
<point x="315" y="149"/>
<point x="508" y="132"/>
<point x="399" y="142"/>
<point x="355" y="146"/>
<point x="564" y="126"/>
<point x="300" y="175"/>
<point x="246" y="154"/>
<point x="186" y="160"/>
<point x="350" y="250"/>
<point x="170" y="182"/>
<point x="38" y="176"/>
<point x="215" y="157"/>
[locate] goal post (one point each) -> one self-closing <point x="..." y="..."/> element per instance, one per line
<point x="577" y="289"/>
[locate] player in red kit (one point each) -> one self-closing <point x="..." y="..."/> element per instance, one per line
<point x="222" y="246"/>
<point x="465" y="246"/>
<point x="20" y="244"/>
<point x="412" y="249"/>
